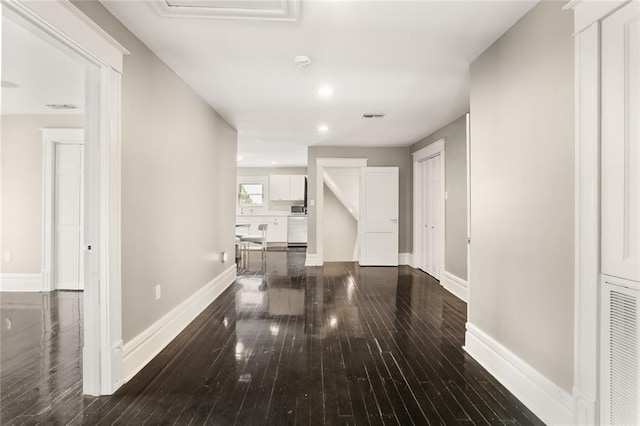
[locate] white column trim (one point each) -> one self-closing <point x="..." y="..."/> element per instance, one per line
<point x="67" y="27"/>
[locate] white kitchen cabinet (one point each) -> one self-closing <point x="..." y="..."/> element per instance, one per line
<point x="286" y="187"/>
<point x="296" y="186"/>
<point x="276" y="226"/>
<point x="277" y="229"/>
<point x="279" y="187"/>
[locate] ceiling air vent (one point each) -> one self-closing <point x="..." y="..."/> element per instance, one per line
<point x="373" y="115"/>
<point x="62" y="106"/>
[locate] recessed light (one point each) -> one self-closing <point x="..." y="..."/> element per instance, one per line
<point x="239" y="157"/>
<point x="325" y="91"/>
<point x="274" y="162"/>
<point x="323" y="128"/>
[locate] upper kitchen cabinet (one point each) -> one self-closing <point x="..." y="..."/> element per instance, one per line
<point x="621" y="143"/>
<point x="286" y="187"/>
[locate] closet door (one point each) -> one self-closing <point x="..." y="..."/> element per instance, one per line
<point x="621" y="143"/>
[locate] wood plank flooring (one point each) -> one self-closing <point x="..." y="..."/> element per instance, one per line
<point x="284" y="345"/>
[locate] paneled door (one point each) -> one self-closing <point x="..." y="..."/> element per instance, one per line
<point x="68" y="216"/>
<point x="621" y="143"/>
<point x="379" y="207"/>
<point x="432" y="223"/>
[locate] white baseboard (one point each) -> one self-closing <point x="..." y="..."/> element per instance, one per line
<point x="544" y="398"/>
<point x="140" y="350"/>
<point x="21" y="282"/>
<point x="405" y="259"/>
<point x="313" y="259"/>
<point x="455" y="285"/>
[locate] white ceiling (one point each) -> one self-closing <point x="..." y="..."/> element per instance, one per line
<point x="44" y="74"/>
<point x="409" y="60"/>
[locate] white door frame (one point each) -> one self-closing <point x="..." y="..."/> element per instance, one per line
<point x="321" y="163"/>
<point x="61" y="23"/>
<point x="431" y="150"/>
<point x="49" y="139"/>
<point x="468" y="144"/>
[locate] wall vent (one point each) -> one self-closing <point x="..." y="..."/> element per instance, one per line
<point x="373" y="115"/>
<point x="620" y="356"/>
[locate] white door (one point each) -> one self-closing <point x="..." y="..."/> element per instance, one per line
<point x="68" y="216"/>
<point x="379" y="199"/>
<point x="432" y="223"/>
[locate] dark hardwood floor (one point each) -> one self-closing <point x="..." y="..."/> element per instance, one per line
<point x="285" y="344"/>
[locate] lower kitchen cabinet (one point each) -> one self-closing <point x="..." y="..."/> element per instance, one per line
<point x="276" y="226"/>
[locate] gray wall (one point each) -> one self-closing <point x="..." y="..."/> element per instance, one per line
<point x="21" y="147"/>
<point x="522" y="168"/>
<point x="455" y="136"/>
<point x="340" y="230"/>
<point x="178" y="184"/>
<point x="399" y="157"/>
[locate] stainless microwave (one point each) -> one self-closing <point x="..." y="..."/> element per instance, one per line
<point x="297" y="210"/>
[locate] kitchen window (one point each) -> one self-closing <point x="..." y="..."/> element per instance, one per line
<point x="251" y="195"/>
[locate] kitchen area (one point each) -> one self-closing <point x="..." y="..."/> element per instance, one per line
<point x="277" y="198"/>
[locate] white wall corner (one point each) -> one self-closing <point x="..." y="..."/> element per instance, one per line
<point x="405" y="259"/>
<point x="455" y="285"/>
<point x="313" y="259"/>
<point x="545" y="399"/>
<point x="21" y="282"/>
<point x="140" y="350"/>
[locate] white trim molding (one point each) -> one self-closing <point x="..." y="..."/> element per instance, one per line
<point x="288" y="10"/>
<point x="313" y="259"/>
<point x="405" y="259"/>
<point x="544" y="398"/>
<point x="21" y="282"/>
<point x="140" y="350"/>
<point x="455" y="285"/>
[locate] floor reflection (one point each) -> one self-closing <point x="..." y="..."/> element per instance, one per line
<point x="285" y="344"/>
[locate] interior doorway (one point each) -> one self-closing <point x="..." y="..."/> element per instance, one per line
<point x="429" y="208"/>
<point x="71" y="38"/>
<point x="63" y="203"/>
<point x="341" y="214"/>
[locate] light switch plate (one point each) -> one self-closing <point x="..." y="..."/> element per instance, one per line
<point x="158" y="292"/>
<point x="7" y="256"/>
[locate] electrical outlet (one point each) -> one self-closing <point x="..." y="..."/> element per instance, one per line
<point x="446" y="195"/>
<point x="158" y="292"/>
<point x="7" y="256"/>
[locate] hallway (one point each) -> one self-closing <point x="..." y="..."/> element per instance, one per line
<point x="287" y="344"/>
